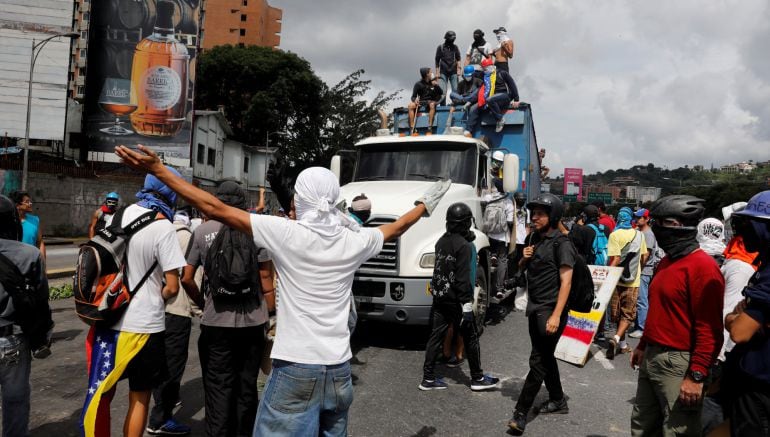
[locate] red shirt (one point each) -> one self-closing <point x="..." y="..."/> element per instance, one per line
<point x="686" y="297"/>
<point x="608" y="222"/>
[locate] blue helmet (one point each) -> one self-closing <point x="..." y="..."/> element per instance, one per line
<point x="758" y="207"/>
<point x="468" y="71"/>
<point x="113" y="195"/>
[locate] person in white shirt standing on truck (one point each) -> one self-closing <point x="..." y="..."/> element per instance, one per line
<point x="316" y="256"/>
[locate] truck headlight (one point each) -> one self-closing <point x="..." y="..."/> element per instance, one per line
<point x="428" y="260"/>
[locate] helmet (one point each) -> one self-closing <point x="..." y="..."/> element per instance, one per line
<point x="688" y="209"/>
<point x="591" y="211"/>
<point x="498" y="155"/>
<point x="113" y="195"/>
<point x="551" y="203"/>
<point x="450" y="34"/>
<point x="458" y="213"/>
<point x="10" y="224"/>
<point x="487" y="62"/>
<point x="519" y="198"/>
<point x="468" y="71"/>
<point x="758" y="207"/>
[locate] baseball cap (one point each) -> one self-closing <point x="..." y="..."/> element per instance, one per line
<point x="499" y="29"/>
<point x="642" y="212"/>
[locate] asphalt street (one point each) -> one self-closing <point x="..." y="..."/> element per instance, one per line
<point x="387" y="369"/>
<point x="60" y="257"/>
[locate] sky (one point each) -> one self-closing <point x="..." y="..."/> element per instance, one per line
<point x="611" y="83"/>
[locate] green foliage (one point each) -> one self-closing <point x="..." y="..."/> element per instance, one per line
<point x="723" y="194"/>
<point x="62" y="292"/>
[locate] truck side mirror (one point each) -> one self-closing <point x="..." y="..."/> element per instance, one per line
<point x="510" y="173"/>
<point x="336" y="164"/>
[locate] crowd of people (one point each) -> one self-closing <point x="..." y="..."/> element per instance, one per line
<point x="486" y="85"/>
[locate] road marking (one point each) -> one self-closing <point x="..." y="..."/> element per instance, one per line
<point x="602" y="359"/>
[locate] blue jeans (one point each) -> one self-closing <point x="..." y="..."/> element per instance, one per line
<point x="443" y="79"/>
<point x="305" y="400"/>
<point x="15" y="364"/>
<point x="642" y="302"/>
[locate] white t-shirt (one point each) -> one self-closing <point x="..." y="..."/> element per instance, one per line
<point x="157" y="241"/>
<point x="737" y="274"/>
<point x="477" y="53"/>
<point x="315" y="276"/>
<point x="508" y="205"/>
<point x="522" y="221"/>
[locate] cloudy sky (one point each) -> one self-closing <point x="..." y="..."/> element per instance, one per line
<point x="611" y="83"/>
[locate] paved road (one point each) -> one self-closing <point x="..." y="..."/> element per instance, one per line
<point x="387" y="402"/>
<point x="61" y="256"/>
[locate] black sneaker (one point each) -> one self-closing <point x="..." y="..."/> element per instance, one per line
<point x="454" y="362"/>
<point x="554" y="407"/>
<point x="435" y="384"/>
<point x="518" y="422"/>
<point x="612" y="348"/>
<point x="171" y="427"/>
<point x="486" y="382"/>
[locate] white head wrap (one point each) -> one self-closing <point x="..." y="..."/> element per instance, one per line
<point x="315" y="196"/>
<point x="711" y="234"/>
<point x="182" y="218"/>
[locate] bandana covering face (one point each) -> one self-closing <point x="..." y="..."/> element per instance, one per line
<point x="675" y="242"/>
<point x="624" y="218"/>
<point x="710" y="236"/>
<point x="149" y="198"/>
<point x="737" y="250"/>
<point x="315" y="194"/>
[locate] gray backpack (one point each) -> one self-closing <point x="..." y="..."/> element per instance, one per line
<point x="494" y="220"/>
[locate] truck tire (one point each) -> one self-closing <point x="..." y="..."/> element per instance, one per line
<point x="480" y="299"/>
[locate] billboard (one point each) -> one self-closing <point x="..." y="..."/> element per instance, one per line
<point x="141" y="75"/>
<point x="20" y="23"/>
<point x="573" y="182"/>
<point x="604" y="197"/>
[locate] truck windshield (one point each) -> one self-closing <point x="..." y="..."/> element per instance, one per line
<point x="417" y="162"/>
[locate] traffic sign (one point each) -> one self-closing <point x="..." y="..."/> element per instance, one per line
<point x="569" y="198"/>
<point x="604" y="197"/>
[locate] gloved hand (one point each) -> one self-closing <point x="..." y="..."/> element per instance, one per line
<point x="467" y="313"/>
<point x="467" y="106"/>
<point x="433" y="196"/>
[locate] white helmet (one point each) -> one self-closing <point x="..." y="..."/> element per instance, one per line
<point x="498" y="156"/>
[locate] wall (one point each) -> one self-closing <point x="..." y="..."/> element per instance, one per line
<point x="222" y="23"/>
<point x="65" y="204"/>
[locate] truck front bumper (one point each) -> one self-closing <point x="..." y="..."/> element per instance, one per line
<point x="398" y="300"/>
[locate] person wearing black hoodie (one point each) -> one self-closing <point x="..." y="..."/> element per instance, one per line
<point x="448" y="63"/>
<point x="454" y="279"/>
<point x="425" y="94"/>
<point x="747" y="368"/>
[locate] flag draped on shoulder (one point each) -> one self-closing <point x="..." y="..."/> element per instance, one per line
<point x="108" y="353"/>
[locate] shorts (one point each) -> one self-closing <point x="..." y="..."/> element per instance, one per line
<point x="623" y="304"/>
<point x="425" y="106"/>
<point x="148" y="369"/>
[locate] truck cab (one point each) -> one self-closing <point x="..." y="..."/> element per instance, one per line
<point x="393" y="171"/>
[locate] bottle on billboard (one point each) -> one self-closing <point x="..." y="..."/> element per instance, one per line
<point x="159" y="76"/>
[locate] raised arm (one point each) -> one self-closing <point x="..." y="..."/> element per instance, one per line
<point x="424" y="205"/>
<point x="146" y="160"/>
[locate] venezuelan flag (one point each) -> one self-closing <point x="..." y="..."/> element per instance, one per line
<point x="108" y="353"/>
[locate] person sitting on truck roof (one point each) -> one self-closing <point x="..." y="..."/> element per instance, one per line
<point x="425" y="95"/>
<point x="495" y="96"/>
<point x="467" y="92"/>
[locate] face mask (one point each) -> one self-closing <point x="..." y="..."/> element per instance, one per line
<point x="675" y="242"/>
<point x="478" y="38"/>
<point x="450" y="40"/>
<point x="467" y="79"/>
<point x="499" y="37"/>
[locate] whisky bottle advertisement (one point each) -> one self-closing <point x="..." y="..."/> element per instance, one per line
<point x="159" y="74"/>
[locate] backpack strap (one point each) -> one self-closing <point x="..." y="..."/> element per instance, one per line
<point x="132" y="228"/>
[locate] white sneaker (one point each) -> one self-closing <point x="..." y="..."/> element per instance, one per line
<point x="636" y="334"/>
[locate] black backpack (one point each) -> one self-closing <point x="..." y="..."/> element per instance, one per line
<point x="582" y="292"/>
<point x="232" y="267"/>
<point x="30" y="302"/>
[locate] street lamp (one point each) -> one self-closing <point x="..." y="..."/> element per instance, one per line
<point x="32" y="60"/>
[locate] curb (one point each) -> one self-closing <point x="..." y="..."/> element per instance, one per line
<point x="60" y="273"/>
<point x="57" y="241"/>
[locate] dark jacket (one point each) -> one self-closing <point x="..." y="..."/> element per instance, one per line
<point x="426" y="92"/>
<point x="469" y="89"/>
<point x="454" y="274"/>
<point x="552" y="251"/>
<point x="447" y="57"/>
<point x="503" y="78"/>
<point x="582" y="237"/>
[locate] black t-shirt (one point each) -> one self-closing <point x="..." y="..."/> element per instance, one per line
<point x="543" y="269"/>
<point x="583" y="238"/>
<point x="426" y="92"/>
<point x="447" y="57"/>
<point x="467" y="87"/>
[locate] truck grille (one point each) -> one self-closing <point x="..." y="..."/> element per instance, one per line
<point x="387" y="260"/>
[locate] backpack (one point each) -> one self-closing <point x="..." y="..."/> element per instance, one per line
<point x="582" y="292"/>
<point x="494" y="219"/>
<point x="30" y="303"/>
<point x="600" y="245"/>
<point x="231" y="267"/>
<point x="626" y="257"/>
<point x="100" y="284"/>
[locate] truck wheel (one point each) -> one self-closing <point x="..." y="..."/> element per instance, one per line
<point x="480" y="299"/>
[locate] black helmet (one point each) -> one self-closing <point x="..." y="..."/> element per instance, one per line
<point x="687" y="209"/>
<point x="10" y="224"/>
<point x="551" y="203"/>
<point x="519" y="198"/>
<point x="591" y="211"/>
<point x="450" y="34"/>
<point x="458" y="213"/>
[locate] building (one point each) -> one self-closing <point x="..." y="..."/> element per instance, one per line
<point x="741" y="167"/>
<point x="642" y="194"/>
<point x="614" y="190"/>
<point x="240" y="22"/>
<point x="22" y="24"/>
<point x="218" y="158"/>
<point x="80" y="23"/>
